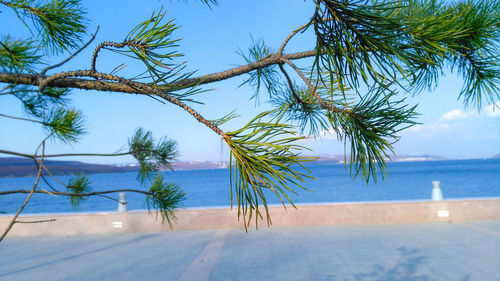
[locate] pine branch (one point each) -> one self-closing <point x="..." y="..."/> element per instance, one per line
<point x="141" y="88"/>
<point x="24" y="119"/>
<point x="290" y="85"/>
<point x="87" y="84"/>
<point x="42" y="73"/>
<point x="31" y="156"/>
<point x="164" y="198"/>
<point x="109" y="44"/>
<point x="86" y="194"/>
<point x="31" y="192"/>
<point x="38" y="221"/>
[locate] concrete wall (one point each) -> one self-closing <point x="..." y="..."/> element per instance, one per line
<point x="224" y="218"/>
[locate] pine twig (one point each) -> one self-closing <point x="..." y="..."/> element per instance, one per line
<point x="38" y="221"/>
<point x="87" y="194"/>
<point x="32" y="191"/>
<point x="290" y="84"/>
<point x="42" y="73"/>
<point x="107" y="44"/>
<point x="23" y="119"/>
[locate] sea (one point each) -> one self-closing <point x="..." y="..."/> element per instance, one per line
<point x="405" y="181"/>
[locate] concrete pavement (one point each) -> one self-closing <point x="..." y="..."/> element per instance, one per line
<point x="462" y="251"/>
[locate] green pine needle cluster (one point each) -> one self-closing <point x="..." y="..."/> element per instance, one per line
<point x="151" y="42"/>
<point x="165" y="199"/>
<point x="18" y="55"/>
<point x="209" y="2"/>
<point x="224" y="119"/>
<point x="264" y="158"/>
<point x="358" y="42"/>
<point x="60" y="25"/>
<point x="151" y="156"/>
<point x="467" y="39"/>
<point x="408" y="43"/>
<point x="35" y="103"/>
<point x="77" y="185"/>
<point x="304" y="111"/>
<point x="266" y="76"/>
<point x="64" y="124"/>
<point x="371" y="128"/>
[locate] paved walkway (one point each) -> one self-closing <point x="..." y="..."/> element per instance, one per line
<point x="432" y="251"/>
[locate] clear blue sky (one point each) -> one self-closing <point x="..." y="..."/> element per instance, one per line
<point x="210" y="39"/>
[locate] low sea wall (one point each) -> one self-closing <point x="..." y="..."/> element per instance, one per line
<point x="225" y="218"/>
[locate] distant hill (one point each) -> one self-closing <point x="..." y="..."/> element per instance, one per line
<point x="324" y="159"/>
<point x="328" y="159"/>
<point x="22" y="167"/>
<point x="422" y="157"/>
<point x="197" y="165"/>
<point x="496" y="156"/>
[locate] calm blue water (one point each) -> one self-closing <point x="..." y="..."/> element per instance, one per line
<point x="406" y="181"/>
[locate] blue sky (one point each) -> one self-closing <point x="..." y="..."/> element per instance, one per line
<point x="210" y="40"/>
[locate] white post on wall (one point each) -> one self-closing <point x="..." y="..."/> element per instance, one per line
<point x="122" y="202"/>
<point x="437" y="195"/>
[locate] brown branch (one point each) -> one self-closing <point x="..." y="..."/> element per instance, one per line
<point x="38" y="166"/>
<point x="30" y="9"/>
<point x="16" y="153"/>
<point x="267" y="61"/>
<point x="149" y="90"/>
<point x="88" y="154"/>
<point x="282" y="47"/>
<point x="5" y="88"/>
<point x="66" y="186"/>
<point x="290" y="84"/>
<point x="55" y="178"/>
<point x="31" y="192"/>
<point x="31" y="156"/>
<point x="75" y="83"/>
<point x="115" y="83"/>
<point x="39" y="221"/>
<point x="24" y="191"/>
<point x="88" y="84"/>
<point x="138" y="87"/>
<point x="2" y="151"/>
<point x="110" y="44"/>
<point x="61" y="155"/>
<point x="24" y="119"/>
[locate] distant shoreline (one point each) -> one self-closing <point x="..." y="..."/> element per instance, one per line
<point x="13" y="167"/>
